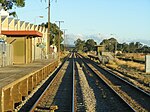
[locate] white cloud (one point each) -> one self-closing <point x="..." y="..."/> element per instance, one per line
<point x="99" y="37"/>
<point x="96" y="37"/>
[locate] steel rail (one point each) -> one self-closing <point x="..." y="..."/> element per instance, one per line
<point x="107" y="84"/>
<point x="142" y="92"/>
<point x="110" y="72"/>
<point x="127" y="82"/>
<point x="73" y="78"/>
<point x="32" y="107"/>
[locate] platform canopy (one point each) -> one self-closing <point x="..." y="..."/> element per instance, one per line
<point x="21" y="33"/>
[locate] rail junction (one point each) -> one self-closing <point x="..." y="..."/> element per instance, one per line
<point x="78" y="84"/>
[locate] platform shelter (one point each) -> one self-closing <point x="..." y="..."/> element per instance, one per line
<point x="25" y="38"/>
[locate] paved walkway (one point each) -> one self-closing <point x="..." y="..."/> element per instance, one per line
<point x="11" y="73"/>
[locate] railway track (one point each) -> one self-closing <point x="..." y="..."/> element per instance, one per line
<point x="81" y="85"/>
<point x="132" y="95"/>
<point x="97" y="96"/>
<point x="56" y="93"/>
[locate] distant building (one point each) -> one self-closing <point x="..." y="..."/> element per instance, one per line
<point x="100" y="49"/>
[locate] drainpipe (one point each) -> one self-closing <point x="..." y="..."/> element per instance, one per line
<point x="25" y="49"/>
<point x="34" y="48"/>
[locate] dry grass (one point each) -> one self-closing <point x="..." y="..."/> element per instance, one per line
<point x="112" y="66"/>
<point x="132" y="71"/>
<point x="130" y="68"/>
<point x="83" y="54"/>
<point x="130" y="64"/>
<point x="139" y="56"/>
<point x="120" y="62"/>
<point x="138" y="66"/>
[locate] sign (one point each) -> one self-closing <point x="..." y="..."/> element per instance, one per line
<point x="147" y="63"/>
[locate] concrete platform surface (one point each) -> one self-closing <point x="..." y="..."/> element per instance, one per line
<point x="11" y="73"/>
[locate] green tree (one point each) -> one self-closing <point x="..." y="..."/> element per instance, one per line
<point x="145" y="49"/>
<point x="79" y="44"/>
<point x="138" y="46"/>
<point x="120" y="47"/>
<point x="110" y="44"/>
<point x="132" y="47"/>
<point x="54" y="33"/>
<point x="125" y="47"/>
<point x="90" y="45"/>
<point x="9" y="4"/>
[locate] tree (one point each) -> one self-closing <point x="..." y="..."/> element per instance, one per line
<point x="120" y="47"/>
<point x="90" y="45"/>
<point x="125" y="47"/>
<point x="138" y="45"/>
<point x="9" y="4"/>
<point x="145" y="49"/>
<point x="54" y="33"/>
<point x="110" y="44"/>
<point x="79" y="44"/>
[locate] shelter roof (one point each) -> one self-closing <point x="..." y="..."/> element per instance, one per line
<point x="21" y="33"/>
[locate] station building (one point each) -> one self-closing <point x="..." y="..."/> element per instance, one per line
<point x="21" y="42"/>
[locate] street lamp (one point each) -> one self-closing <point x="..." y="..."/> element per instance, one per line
<point x="59" y="40"/>
<point x="37" y="17"/>
<point x="34" y="38"/>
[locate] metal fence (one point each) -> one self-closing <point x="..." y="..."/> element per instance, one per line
<point x="6" y="54"/>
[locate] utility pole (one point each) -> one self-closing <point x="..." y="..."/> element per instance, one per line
<point x="59" y="40"/>
<point x="64" y="38"/>
<point x="48" y="32"/>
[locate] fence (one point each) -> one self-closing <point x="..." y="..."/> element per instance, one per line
<point x="6" y="57"/>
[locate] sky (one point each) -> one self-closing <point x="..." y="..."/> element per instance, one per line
<point x="127" y="20"/>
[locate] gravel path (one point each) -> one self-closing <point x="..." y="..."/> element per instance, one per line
<point x="88" y="94"/>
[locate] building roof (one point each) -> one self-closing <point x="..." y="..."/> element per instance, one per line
<point x="21" y="23"/>
<point x="26" y="24"/>
<point x="21" y="33"/>
<point x="3" y="18"/>
<point x="10" y="20"/>
<point x="16" y="21"/>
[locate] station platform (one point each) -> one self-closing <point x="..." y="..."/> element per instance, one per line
<point x="17" y="81"/>
<point x="11" y="73"/>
